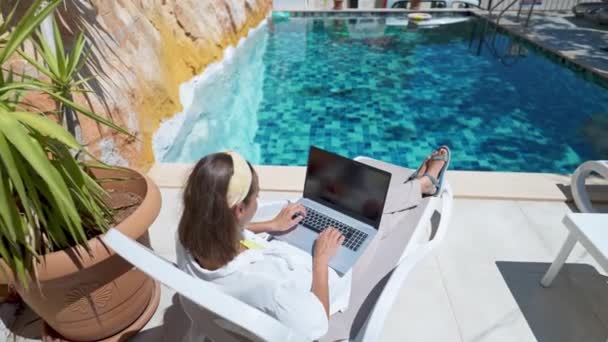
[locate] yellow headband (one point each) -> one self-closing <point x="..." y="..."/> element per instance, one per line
<point x="240" y="182"/>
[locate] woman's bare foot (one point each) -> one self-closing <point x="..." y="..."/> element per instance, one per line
<point x="422" y="168"/>
<point x="432" y="167"/>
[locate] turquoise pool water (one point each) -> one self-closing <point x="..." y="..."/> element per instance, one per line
<point x="371" y="86"/>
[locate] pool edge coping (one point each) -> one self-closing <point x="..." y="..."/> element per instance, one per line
<point x="466" y="184"/>
<point x="524" y="186"/>
<point x="601" y="75"/>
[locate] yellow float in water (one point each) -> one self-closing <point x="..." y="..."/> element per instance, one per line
<point x="419" y="16"/>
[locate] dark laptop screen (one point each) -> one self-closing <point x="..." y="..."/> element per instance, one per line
<point x="353" y="188"/>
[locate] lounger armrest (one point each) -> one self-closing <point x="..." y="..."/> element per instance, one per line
<point x="577" y="184"/>
<point x="447" y="200"/>
<point x="372" y="330"/>
<point x="198" y="291"/>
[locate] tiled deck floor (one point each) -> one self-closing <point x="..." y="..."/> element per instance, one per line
<point x="480" y="285"/>
<point x="576" y="38"/>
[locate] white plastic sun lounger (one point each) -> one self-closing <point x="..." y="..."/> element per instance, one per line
<point x="377" y="278"/>
<point x="588" y="227"/>
<point x="380" y="273"/>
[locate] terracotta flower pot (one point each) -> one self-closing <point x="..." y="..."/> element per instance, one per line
<point x="8" y="294"/>
<point x="338" y="4"/>
<point x="96" y="296"/>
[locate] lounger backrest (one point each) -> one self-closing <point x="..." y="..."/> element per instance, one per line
<point x="372" y="330"/>
<point x="579" y="192"/>
<point x="219" y="305"/>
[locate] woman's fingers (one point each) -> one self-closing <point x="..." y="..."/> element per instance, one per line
<point x="335" y="236"/>
<point x="296" y="208"/>
<point x="332" y="236"/>
<point x="288" y="216"/>
<point x="291" y="211"/>
<point x="327" y="233"/>
<point x="328" y="243"/>
<point x="333" y="233"/>
<point x="296" y="220"/>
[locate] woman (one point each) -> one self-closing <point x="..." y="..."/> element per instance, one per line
<point x="220" y="199"/>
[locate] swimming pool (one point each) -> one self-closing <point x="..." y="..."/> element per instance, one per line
<point x="371" y="86"/>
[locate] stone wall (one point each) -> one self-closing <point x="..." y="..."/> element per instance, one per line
<point x="141" y="51"/>
<point x="221" y="106"/>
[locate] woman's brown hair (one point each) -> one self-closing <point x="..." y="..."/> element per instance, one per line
<point x="208" y="228"/>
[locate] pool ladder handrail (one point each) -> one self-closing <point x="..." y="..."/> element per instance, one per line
<point x="503" y="11"/>
<point x="519" y="10"/>
<point x="492" y="45"/>
<point x="521" y="5"/>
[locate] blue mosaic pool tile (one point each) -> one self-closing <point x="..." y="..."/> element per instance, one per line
<point x="362" y="87"/>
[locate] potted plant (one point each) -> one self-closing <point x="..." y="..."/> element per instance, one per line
<point x="55" y="204"/>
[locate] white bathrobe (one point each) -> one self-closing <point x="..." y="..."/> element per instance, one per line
<point x="276" y="280"/>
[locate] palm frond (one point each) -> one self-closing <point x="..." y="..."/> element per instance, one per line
<point x="49" y="199"/>
<point x="39" y="10"/>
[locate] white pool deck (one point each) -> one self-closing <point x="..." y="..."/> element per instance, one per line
<point x="481" y="284"/>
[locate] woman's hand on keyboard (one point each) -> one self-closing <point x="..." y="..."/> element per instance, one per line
<point x="327" y="245"/>
<point x="289" y="217"/>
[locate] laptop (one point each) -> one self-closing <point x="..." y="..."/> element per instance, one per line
<point x="345" y="194"/>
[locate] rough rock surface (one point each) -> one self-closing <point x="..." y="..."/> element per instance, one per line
<point x="141" y="51"/>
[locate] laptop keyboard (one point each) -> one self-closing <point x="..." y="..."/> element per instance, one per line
<point x="353" y="238"/>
